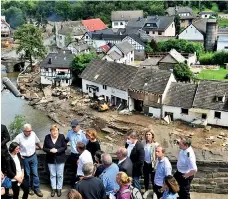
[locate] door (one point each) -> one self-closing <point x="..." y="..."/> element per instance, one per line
<point x="170" y="114"/>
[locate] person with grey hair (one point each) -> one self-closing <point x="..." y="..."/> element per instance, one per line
<point x="90" y="187"/>
<point x="124" y="163"/>
<point x="137" y="156"/>
<point x="108" y="176"/>
<point x="28" y="141"/>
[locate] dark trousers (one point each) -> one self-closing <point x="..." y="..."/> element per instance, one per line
<point x="184" y="185"/>
<point x="16" y="189"/>
<point x="72" y="160"/>
<point x="157" y="191"/>
<point x="147" y="171"/>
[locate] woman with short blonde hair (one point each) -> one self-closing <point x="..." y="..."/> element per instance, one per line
<point x="55" y="147"/>
<point x="74" y="194"/>
<point x="93" y="144"/>
<point x="124" y="181"/>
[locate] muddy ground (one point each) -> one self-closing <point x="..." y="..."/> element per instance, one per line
<point x="211" y="144"/>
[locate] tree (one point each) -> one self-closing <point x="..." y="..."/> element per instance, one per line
<point x="182" y="72"/>
<point x="148" y="48"/>
<point x="30" y="42"/>
<point x="14" y="16"/>
<point x="68" y="39"/>
<point x="81" y="61"/>
<point x="16" y="126"/>
<point x="177" y="24"/>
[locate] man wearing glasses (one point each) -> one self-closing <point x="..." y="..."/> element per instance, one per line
<point x="28" y="142"/>
<point x="75" y="135"/>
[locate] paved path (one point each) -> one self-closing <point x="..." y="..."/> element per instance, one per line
<point x="46" y="191"/>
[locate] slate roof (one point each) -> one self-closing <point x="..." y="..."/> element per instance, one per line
<point x="180" y="95"/>
<point x="74" y="27"/>
<point x="137" y="38"/>
<point x="125" y="47"/>
<point x="158" y="23"/>
<point x="112" y="74"/>
<point x="136" y="23"/>
<point x="59" y="60"/>
<point x="94" y="24"/>
<point x="172" y="11"/>
<point x="149" y="80"/>
<point x="201" y="24"/>
<point x="177" y="56"/>
<point x="207" y="92"/>
<point x="126" y="15"/>
<point x="114" y="55"/>
<point x="206" y="12"/>
<point x="80" y="46"/>
<point x="153" y="61"/>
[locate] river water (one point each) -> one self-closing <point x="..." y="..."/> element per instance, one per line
<point x="12" y="106"/>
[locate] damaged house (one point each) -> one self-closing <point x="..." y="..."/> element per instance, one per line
<point x="55" y="68"/>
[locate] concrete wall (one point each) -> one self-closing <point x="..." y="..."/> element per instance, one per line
<point x="222" y="46"/>
<point x="212" y="177"/>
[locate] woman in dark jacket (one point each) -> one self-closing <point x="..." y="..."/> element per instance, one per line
<point x="55" y="147"/>
<point x="15" y="171"/>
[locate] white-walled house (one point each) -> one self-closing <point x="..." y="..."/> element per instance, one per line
<point x="73" y="29"/>
<point x="109" y="79"/>
<point x="120" y="18"/>
<point x="207" y="14"/>
<point x="55" y="69"/>
<point x="148" y="90"/>
<point x="122" y="52"/>
<point x="191" y="33"/>
<point x="78" y="47"/>
<point x="160" y="26"/>
<point x="5" y="27"/>
<point x="206" y="101"/>
<point x="222" y="43"/>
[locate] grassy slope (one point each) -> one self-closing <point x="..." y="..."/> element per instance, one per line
<point x="213" y="74"/>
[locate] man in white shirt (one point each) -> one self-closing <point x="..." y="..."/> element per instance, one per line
<point x="163" y="169"/>
<point x="28" y="142"/>
<point x="186" y="168"/>
<point x="85" y="157"/>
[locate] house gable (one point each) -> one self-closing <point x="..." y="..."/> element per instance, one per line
<point x="168" y="59"/>
<point x="191" y="33"/>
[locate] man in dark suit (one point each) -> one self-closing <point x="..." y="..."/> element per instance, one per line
<point x="137" y="155"/>
<point x="124" y="163"/>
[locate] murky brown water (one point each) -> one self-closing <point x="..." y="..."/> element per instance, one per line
<point x="11" y="106"/>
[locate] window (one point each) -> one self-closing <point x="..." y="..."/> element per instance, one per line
<point x="153" y="32"/>
<point x="121" y="23"/>
<point x="87" y="86"/>
<point x="104" y="87"/>
<point x="87" y="37"/>
<point x="184" y="111"/>
<point x="131" y="59"/>
<point x="46" y="69"/>
<point x="116" y="23"/>
<point x="226" y="47"/>
<point x="147" y="32"/>
<point x="205" y="15"/>
<point x="66" y="81"/>
<point x="217" y="115"/>
<point x="204" y="116"/>
<point x="159" y="33"/>
<point x="60" y="37"/>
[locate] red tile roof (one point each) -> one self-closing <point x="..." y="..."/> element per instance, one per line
<point x="94" y="24"/>
<point x="105" y="48"/>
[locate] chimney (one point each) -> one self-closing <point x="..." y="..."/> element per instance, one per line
<point x="49" y="60"/>
<point x="64" y="52"/>
<point x="64" y="58"/>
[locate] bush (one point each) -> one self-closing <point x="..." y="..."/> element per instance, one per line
<point x="16" y="126"/>
<point x="217" y="58"/>
<point x="206" y="59"/>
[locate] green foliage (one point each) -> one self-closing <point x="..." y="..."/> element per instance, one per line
<point x="63" y="8"/>
<point x="180" y="45"/>
<point x="182" y="72"/>
<point x="223" y="22"/>
<point x="80" y="62"/>
<point x="148" y="48"/>
<point x="30" y="42"/>
<point x="16" y="126"/>
<point x="14" y="16"/>
<point x="217" y="58"/>
<point x="215" y="7"/>
<point x="177" y="24"/>
<point x="68" y="39"/>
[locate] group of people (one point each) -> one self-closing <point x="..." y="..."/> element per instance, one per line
<point x="95" y="175"/>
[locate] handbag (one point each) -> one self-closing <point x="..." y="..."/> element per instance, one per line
<point x="7" y="183"/>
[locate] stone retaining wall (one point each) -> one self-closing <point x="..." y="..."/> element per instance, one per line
<point x="212" y="177"/>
